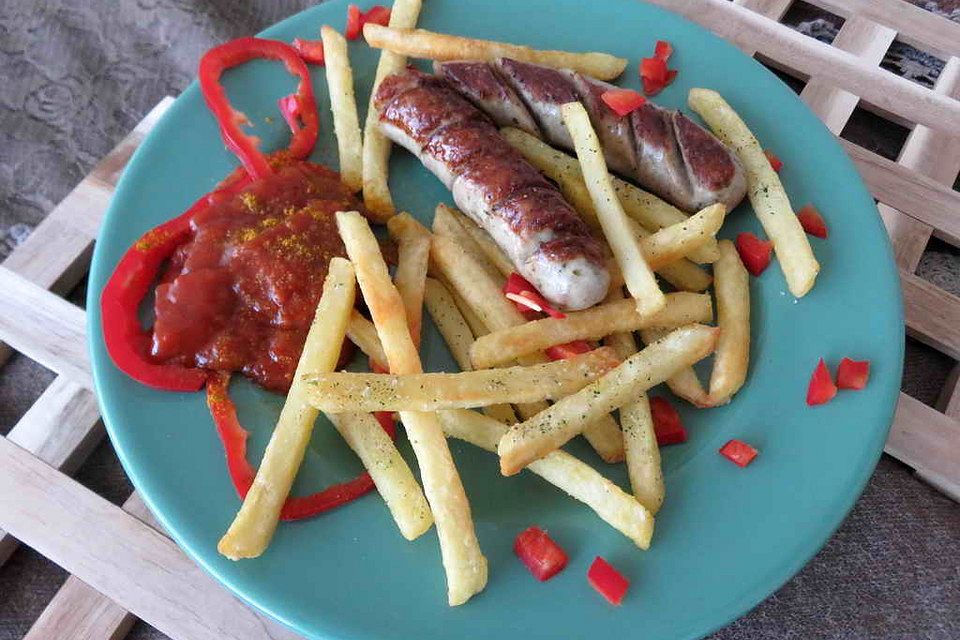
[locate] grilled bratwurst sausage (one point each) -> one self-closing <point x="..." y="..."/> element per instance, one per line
<point x="493" y="184"/>
<point x="661" y="149"/>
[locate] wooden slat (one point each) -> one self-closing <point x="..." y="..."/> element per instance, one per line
<point x="750" y="30"/>
<point x="932" y="314"/>
<point x="118" y="555"/>
<point x="863" y="38"/>
<point x="928" y="441"/>
<point x="44" y="327"/>
<point x="917" y="27"/>
<point x="773" y="9"/>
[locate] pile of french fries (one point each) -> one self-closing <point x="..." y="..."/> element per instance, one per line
<point x="529" y="406"/>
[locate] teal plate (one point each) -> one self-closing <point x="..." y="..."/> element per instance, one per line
<point x="726" y="538"/>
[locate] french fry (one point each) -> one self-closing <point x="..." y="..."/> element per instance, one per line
<point x="376" y="146"/>
<point x="684" y="383"/>
<point x="338" y="392"/>
<point x="766" y="193"/>
<point x="251" y="530"/>
<point x="508" y="344"/>
<point x="472" y="319"/>
<point x="670" y="244"/>
<point x="413" y="255"/>
<point x="420" y="43"/>
<point x="733" y="318"/>
<point x="464" y="563"/>
<point x="550" y="429"/>
<point x="605" y="437"/>
<point x="642" y="453"/>
<point x="458" y="336"/>
<point x="391" y="474"/>
<point x="639" y="279"/>
<point x="343" y="104"/>
<point x="487" y="244"/>
<point x="446" y="223"/>
<point x="363" y="334"/>
<point x="564" y="471"/>
<point x="645" y="208"/>
<point x="622" y="342"/>
<point x="682" y="274"/>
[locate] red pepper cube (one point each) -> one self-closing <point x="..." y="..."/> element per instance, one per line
<point x="541" y="555"/>
<point x="738" y="452"/>
<point x="821" y="389"/>
<point x="622" y="101"/>
<point x="519" y="290"/>
<point x="377" y="14"/>
<point x="666" y="422"/>
<point x="354" y="22"/>
<point x="775" y="163"/>
<point x="568" y="350"/>
<point x="653" y="69"/>
<point x="663" y="50"/>
<point x="754" y="252"/>
<point x="812" y="222"/>
<point x="853" y="374"/>
<point x="609" y="582"/>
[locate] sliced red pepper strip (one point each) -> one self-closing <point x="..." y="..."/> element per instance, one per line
<point x="622" y="101"/>
<point x="234" y="439"/>
<point x="666" y="422"/>
<point x="519" y="290"/>
<point x="311" y="51"/>
<point x="304" y="126"/>
<point x="853" y="374"/>
<point x="775" y="163"/>
<point x="127" y="342"/>
<point x="354" y="22"/>
<point x="609" y="582"/>
<point x="738" y="452"/>
<point x="821" y="388"/>
<point x="541" y="555"/>
<point x="812" y="222"/>
<point x="754" y="252"/>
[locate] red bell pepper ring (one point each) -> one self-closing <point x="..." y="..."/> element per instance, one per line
<point x="853" y="374"/>
<point x="127" y="342"/>
<point x="233" y="437"/>
<point x="812" y="222"/>
<point x="299" y="109"/>
<point x="622" y="101"/>
<point x="666" y="422"/>
<point x="754" y="252"/>
<point x="609" y="582"/>
<point x="775" y="163"/>
<point x="821" y="388"/>
<point x="310" y="51"/>
<point x="519" y="290"/>
<point x="541" y="555"/>
<point x="738" y="452"/>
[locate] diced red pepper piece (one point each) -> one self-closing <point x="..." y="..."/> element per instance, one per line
<point x="663" y="50"/>
<point x="812" y="222"/>
<point x="653" y="69"/>
<point x="622" y="101"/>
<point x="519" y="290"/>
<point x="738" y="452"/>
<point x="568" y="350"/>
<point x="354" y="22"/>
<point x="377" y="14"/>
<point x="609" y="582"/>
<point x="775" y="163"/>
<point x="311" y="51"/>
<point x="754" y="252"/>
<point x="666" y="422"/>
<point x="387" y="422"/>
<point x="542" y="556"/>
<point x="853" y="374"/>
<point x="821" y="388"/>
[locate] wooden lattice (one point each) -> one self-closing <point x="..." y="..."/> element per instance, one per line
<point x="124" y="567"/>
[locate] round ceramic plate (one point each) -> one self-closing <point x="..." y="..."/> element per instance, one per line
<point x="726" y="537"/>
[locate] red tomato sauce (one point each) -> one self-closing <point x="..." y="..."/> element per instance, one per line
<point x="240" y="296"/>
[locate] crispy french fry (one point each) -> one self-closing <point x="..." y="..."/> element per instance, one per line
<point x="682" y="274"/>
<point x="420" y="43"/>
<point x="338" y="392"/>
<point x="622" y="342"/>
<point x="251" y="531"/>
<point x="487" y="244"/>
<point x="458" y="336"/>
<point x="363" y="334"/>
<point x="567" y="473"/>
<point x="642" y="453"/>
<point x="343" y="104"/>
<point x="670" y="244"/>
<point x="684" y="383"/>
<point x="413" y="251"/>
<point x="464" y="563"/>
<point x="508" y="344"/>
<point x="391" y="474"/>
<point x="766" y="193"/>
<point x="376" y="146"/>
<point x="446" y="223"/>
<point x="733" y="318"/>
<point x="605" y="437"/>
<point x="472" y="319"/>
<point x="644" y="208"/>
<point x="639" y="279"/>
<point x="550" y="429"/>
